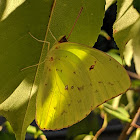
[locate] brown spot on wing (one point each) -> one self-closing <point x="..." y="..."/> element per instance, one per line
<point x="91" y="67"/>
<point x="80" y="88"/>
<point x="72" y="87"/>
<point x="58" y="70"/>
<point x="66" y="87"/>
<point x="79" y="101"/>
<point x="110" y="83"/>
<point x="74" y="72"/>
<point x="57" y="47"/>
<point x="51" y="59"/>
<point x="63" y="112"/>
<point x="96" y="91"/>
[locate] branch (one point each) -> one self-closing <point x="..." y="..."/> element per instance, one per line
<point x="133" y="124"/>
<point x="133" y="115"/>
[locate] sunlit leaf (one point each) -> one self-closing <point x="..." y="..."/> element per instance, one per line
<point x="128" y="53"/>
<point x="136" y="45"/>
<point x="126" y="18"/>
<point x="19" y="50"/>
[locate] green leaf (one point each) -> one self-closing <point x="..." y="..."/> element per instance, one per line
<point x="132" y="47"/>
<point x="89" y="22"/>
<point x="119" y="112"/>
<point x="136" y="45"/>
<point x="33" y="130"/>
<point x="6" y="136"/>
<point x="75" y="80"/>
<point x="135" y="135"/>
<point x="19" y="50"/>
<point x="131" y="102"/>
<point x="126" y="18"/>
<point x="115" y="55"/>
<point x="80" y="137"/>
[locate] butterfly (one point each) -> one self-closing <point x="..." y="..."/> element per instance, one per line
<point x="75" y="80"/>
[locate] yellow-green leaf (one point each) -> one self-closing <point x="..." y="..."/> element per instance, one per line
<point x="126" y="18"/>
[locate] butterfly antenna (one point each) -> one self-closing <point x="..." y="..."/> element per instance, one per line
<point x="75" y="22"/>
<point x="34" y="65"/>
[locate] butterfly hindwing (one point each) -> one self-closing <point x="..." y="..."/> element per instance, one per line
<point x="76" y="79"/>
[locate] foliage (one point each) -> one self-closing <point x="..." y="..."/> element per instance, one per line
<point x="25" y="61"/>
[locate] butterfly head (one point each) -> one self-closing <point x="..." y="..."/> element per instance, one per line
<point x="62" y="39"/>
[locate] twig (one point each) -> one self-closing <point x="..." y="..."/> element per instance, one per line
<point x="133" y="75"/>
<point x="133" y="124"/>
<point x="98" y="133"/>
<point x="125" y="132"/>
<point x="135" y="89"/>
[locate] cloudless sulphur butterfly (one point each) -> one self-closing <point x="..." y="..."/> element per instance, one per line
<point x="75" y="80"/>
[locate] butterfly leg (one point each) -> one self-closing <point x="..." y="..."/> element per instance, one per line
<point x="43" y="60"/>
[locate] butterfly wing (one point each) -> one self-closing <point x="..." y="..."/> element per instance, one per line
<point x="76" y="79"/>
